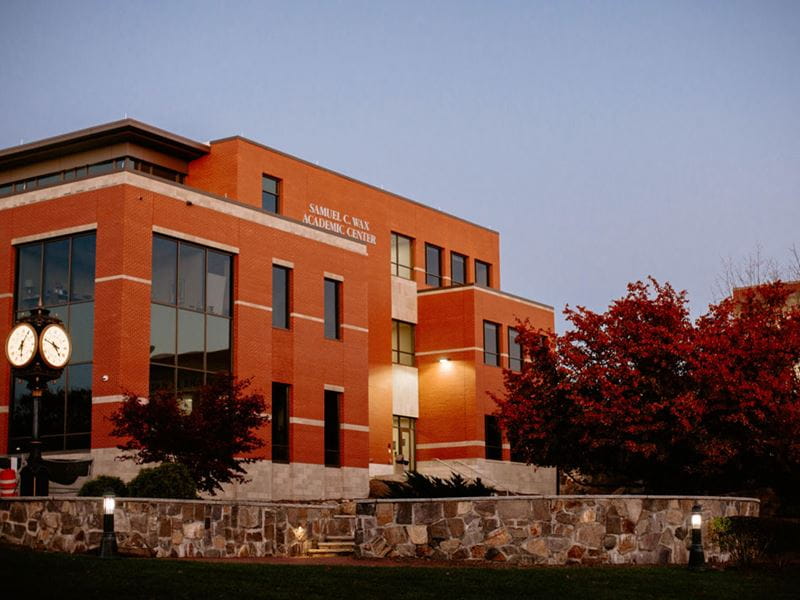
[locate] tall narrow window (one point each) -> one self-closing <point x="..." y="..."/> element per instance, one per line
<point x="493" y="438"/>
<point x="402" y="264"/>
<point x="333" y="290"/>
<point x="458" y="268"/>
<point x="269" y="194"/>
<point x="514" y="351"/>
<point x="491" y="343"/>
<point x="482" y="273"/>
<point x="332" y="453"/>
<point x="402" y="343"/>
<point x="59" y="274"/>
<point x="190" y="315"/>
<point x="433" y="265"/>
<point x="405" y="444"/>
<point x="280" y="422"/>
<point x="280" y="296"/>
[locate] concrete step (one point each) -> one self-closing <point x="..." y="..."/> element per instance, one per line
<point x="334" y="546"/>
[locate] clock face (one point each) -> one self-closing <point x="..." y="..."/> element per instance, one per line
<point x="21" y="345"/>
<point x="55" y="346"/>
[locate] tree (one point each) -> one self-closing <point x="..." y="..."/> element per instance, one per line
<point x="747" y="373"/>
<point x="641" y="396"/>
<point x="213" y="439"/>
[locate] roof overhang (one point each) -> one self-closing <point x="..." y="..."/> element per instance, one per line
<point x="126" y="130"/>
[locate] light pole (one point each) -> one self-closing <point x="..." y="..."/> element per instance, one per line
<point x="108" y="545"/>
<point x="697" y="558"/>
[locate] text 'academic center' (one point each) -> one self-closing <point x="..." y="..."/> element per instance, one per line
<point x="374" y="325"/>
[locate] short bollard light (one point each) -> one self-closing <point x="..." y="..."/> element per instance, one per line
<point x="108" y="544"/>
<point x="697" y="558"/>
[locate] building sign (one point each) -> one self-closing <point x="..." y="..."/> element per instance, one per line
<point x="339" y="222"/>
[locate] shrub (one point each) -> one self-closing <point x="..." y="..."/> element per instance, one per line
<point x="752" y="539"/>
<point x="170" y="480"/>
<point x="418" y="485"/>
<point x="101" y="484"/>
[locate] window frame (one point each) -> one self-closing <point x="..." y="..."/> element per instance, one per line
<point x="397" y="267"/>
<point x="274" y="197"/>
<point x="281" y="394"/>
<point x="514" y="351"/>
<point x="282" y="319"/>
<point x="490" y="358"/>
<point x="332" y="293"/>
<point x="332" y="434"/>
<point x="398" y="353"/>
<point x="493" y="438"/>
<point x="488" y="270"/>
<point x="465" y="261"/>
<point x="433" y="279"/>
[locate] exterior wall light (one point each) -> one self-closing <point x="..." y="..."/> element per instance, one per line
<point x="444" y="360"/>
<point x="108" y="544"/>
<point x="697" y="559"/>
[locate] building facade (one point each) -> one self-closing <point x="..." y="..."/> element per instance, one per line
<point x="375" y="325"/>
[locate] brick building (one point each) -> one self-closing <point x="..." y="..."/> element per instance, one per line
<point x="374" y="324"/>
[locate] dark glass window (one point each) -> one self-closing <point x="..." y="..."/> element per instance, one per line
<point x="514" y="351"/>
<point x="332" y="309"/>
<point x="458" y="268"/>
<point x="165" y="270"/>
<point x="280" y="296"/>
<point x="66" y="266"/>
<point x="433" y="265"/>
<point x="280" y="422"/>
<point x="402" y="343"/>
<point x="190" y="315"/>
<point x="404" y="436"/>
<point x="101" y="168"/>
<point x="402" y="263"/>
<point x="6" y="188"/>
<point x="332" y="425"/>
<point x="491" y="343"/>
<point x="493" y="437"/>
<point x="482" y="273"/>
<point x="269" y="194"/>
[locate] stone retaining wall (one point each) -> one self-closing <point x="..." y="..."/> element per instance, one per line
<point x="552" y="530"/>
<point x="174" y="528"/>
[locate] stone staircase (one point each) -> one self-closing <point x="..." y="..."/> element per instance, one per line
<point x="334" y="545"/>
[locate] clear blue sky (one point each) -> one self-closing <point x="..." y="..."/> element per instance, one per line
<point x="606" y="141"/>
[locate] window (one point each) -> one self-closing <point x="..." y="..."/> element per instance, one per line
<point x="458" y="268"/>
<point x="482" y="273"/>
<point x="280" y="296"/>
<point x="280" y="422"/>
<point x="402" y="343"/>
<point x="491" y="343"/>
<point x="269" y="194"/>
<point x="402" y="265"/>
<point x="493" y="437"/>
<point x="405" y="444"/>
<point x="190" y="315"/>
<point x="514" y="351"/>
<point x="332" y="309"/>
<point x="332" y="401"/>
<point x="433" y="265"/>
<point x="59" y="273"/>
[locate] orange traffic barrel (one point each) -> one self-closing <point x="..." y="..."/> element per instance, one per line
<point x="8" y="482"/>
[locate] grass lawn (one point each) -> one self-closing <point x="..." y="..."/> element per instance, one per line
<point x="28" y="574"/>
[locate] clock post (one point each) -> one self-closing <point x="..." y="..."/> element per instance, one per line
<point x="38" y="349"/>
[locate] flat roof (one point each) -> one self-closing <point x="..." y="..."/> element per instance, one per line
<point x="125" y="130"/>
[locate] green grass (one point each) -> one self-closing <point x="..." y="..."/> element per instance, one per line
<point x="44" y="575"/>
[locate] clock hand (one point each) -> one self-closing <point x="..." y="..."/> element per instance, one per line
<point x="53" y="344"/>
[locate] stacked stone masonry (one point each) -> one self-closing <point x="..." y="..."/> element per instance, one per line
<point x="175" y="528"/>
<point x="552" y="530"/>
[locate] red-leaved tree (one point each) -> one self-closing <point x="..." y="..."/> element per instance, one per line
<point x="213" y="439"/>
<point x="642" y="396"/>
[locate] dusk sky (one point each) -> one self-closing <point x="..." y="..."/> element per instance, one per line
<point x="605" y="141"/>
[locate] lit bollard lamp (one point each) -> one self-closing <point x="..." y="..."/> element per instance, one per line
<point x="108" y="544"/>
<point x="697" y="558"/>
